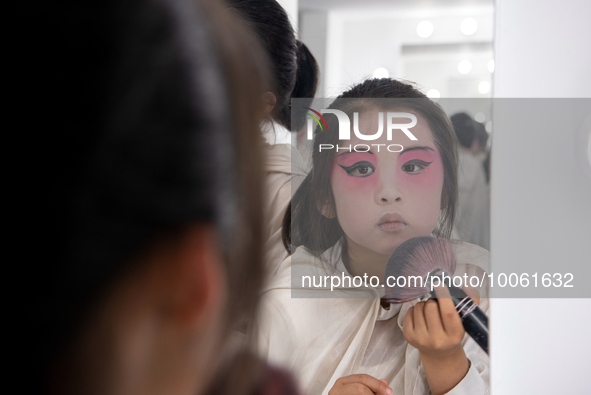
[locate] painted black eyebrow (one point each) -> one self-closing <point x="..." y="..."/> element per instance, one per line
<point x="354" y="152"/>
<point x="418" y="148"/>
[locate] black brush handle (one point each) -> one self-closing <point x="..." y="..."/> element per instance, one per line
<point x="474" y="320"/>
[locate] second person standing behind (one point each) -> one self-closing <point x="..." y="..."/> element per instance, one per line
<point x="284" y="166"/>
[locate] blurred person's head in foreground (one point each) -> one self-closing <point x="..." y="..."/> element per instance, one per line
<point x="152" y="251"/>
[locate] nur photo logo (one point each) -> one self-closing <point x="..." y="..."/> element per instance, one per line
<point x="394" y="121"/>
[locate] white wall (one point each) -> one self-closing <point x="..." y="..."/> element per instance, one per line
<point x="542" y="48"/>
<point x="313" y="32"/>
<point x="541" y="346"/>
<point x="291" y="7"/>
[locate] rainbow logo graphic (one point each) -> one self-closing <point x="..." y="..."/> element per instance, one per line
<point x="318" y="118"/>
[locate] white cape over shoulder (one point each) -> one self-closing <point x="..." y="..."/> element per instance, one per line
<point x="322" y="335"/>
<point x="285" y="172"/>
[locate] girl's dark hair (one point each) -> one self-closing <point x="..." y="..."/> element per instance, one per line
<point x="305" y="87"/>
<point x="294" y="69"/>
<point x="304" y="225"/>
<point x="154" y="130"/>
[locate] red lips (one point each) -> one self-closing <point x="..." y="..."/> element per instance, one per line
<point x="392" y="222"/>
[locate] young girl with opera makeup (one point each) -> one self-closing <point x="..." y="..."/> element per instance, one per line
<point x="351" y="212"/>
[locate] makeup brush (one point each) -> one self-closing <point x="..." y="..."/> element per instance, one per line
<point x="421" y="263"/>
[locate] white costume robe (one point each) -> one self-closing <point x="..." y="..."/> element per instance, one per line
<point x="283" y="178"/>
<point x="285" y="172"/>
<point x="321" y="335"/>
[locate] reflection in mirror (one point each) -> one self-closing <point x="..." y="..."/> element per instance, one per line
<point x="446" y="48"/>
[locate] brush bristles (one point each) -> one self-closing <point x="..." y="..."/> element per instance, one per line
<point x="410" y="264"/>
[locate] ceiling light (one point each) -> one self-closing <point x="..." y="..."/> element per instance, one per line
<point x="491" y="65"/>
<point x="425" y="29"/>
<point x="469" y="26"/>
<point x="433" y="94"/>
<point x="465" y="66"/>
<point x="381" y="72"/>
<point x="479" y="117"/>
<point x="484" y="87"/>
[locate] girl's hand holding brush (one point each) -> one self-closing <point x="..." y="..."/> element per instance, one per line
<point x="435" y="329"/>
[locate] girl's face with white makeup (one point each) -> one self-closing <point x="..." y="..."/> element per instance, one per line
<point x="384" y="198"/>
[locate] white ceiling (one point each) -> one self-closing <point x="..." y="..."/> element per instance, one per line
<point x="387" y="4"/>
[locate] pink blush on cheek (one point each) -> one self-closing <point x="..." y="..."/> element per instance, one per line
<point x="340" y="176"/>
<point x="351" y="194"/>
